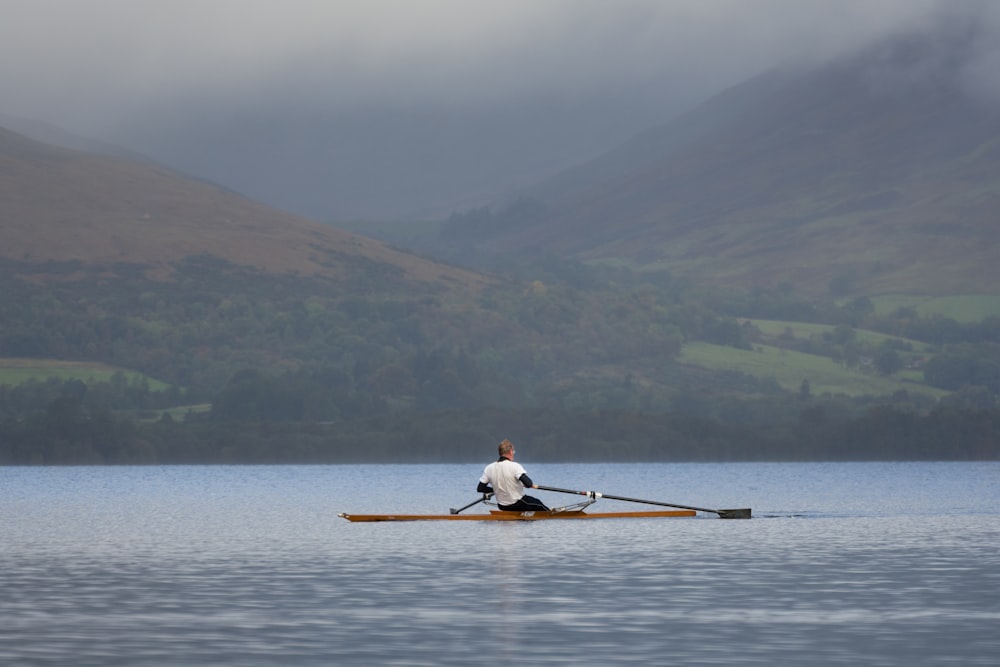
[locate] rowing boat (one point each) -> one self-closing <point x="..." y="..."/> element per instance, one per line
<point x="497" y="515"/>
<point x="574" y="511"/>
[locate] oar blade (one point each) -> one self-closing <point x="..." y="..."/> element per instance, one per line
<point x="735" y="514"/>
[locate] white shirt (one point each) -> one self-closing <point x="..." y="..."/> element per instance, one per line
<point x="503" y="476"/>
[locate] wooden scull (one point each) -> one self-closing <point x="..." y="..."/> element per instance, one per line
<point x="497" y="515"/>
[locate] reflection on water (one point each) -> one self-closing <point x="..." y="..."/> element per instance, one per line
<point x="874" y="564"/>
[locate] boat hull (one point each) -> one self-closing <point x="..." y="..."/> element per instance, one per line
<point x="496" y="515"/>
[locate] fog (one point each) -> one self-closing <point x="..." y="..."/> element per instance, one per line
<point x="374" y="109"/>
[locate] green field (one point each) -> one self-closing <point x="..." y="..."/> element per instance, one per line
<point x="789" y="369"/>
<point x="961" y="308"/>
<point x="805" y="330"/>
<point x="18" y="371"/>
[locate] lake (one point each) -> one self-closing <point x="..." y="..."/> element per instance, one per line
<point x="842" y="564"/>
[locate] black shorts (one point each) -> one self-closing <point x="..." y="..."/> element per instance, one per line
<point x="525" y="504"/>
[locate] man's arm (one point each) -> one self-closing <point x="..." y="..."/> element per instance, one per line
<point x="484" y="488"/>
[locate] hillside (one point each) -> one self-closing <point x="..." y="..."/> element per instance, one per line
<point x="872" y="175"/>
<point x="98" y="211"/>
<point x="168" y="320"/>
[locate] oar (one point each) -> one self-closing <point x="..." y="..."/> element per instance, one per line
<point x="723" y="514"/>
<point x="475" y="502"/>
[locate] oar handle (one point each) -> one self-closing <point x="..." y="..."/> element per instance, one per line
<point x="725" y="514"/>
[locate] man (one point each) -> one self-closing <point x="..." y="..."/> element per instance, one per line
<point x="507" y="480"/>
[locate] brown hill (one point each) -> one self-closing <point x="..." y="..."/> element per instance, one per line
<point x="59" y="205"/>
<point x="879" y="173"/>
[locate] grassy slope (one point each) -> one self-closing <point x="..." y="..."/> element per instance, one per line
<point x="790" y="368"/>
<point x="64" y="206"/>
<point x="17" y="371"/>
<point x="964" y="308"/>
<point x="805" y="330"/>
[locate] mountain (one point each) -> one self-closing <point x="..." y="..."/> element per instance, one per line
<point x="875" y="174"/>
<point x="53" y="135"/>
<point x="59" y="205"/>
<point x="245" y="334"/>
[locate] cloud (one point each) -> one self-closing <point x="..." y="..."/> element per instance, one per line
<point x="102" y="54"/>
<point x="978" y="74"/>
<point x="342" y="108"/>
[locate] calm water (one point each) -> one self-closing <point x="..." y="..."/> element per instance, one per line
<point x="843" y="564"/>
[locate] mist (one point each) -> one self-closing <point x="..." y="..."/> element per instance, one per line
<point x="376" y="109"/>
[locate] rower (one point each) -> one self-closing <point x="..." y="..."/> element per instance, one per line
<point x="507" y="479"/>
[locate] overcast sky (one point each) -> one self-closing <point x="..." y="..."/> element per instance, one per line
<point x="337" y="104"/>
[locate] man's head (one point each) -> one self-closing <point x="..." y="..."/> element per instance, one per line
<point x="506" y="449"/>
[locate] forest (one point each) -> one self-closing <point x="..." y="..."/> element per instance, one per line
<point x="578" y="362"/>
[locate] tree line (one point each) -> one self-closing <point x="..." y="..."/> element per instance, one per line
<point x="72" y="429"/>
<point x="581" y="358"/>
